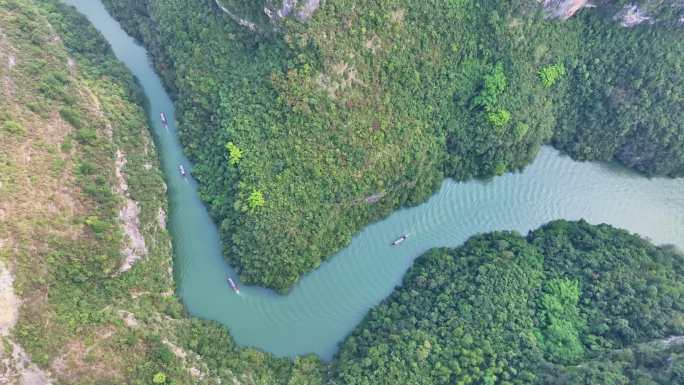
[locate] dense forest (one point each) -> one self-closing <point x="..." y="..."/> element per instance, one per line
<point x="304" y="132"/>
<point x="623" y="99"/>
<point x="571" y="303"/>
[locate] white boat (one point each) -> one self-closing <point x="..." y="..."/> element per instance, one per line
<point x="164" y="121"/>
<point x="233" y="285"/>
<point x="181" y="169"/>
<point x="399" y="240"/>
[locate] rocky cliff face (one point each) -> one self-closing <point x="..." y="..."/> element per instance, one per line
<point x="303" y="10"/>
<point x="631" y="15"/>
<point x="274" y="10"/>
<point x="236" y="18"/>
<point x="628" y="15"/>
<point x="564" y="9"/>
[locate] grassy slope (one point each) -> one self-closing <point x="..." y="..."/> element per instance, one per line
<point x="67" y="106"/>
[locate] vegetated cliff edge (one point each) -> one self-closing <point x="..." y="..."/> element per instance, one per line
<point x="297" y="131"/>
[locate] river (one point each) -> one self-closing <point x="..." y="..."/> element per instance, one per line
<point x="329" y="302"/>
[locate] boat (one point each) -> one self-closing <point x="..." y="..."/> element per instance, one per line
<point x="164" y="121"/>
<point x="182" y="170"/>
<point x="399" y="240"/>
<point x="233" y="285"/>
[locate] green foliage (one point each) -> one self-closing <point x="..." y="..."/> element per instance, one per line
<point x="13" y="127"/>
<point x="488" y="98"/>
<point x="560" y="336"/>
<point x="234" y="154"/>
<point x="551" y="308"/>
<point x="159" y="378"/>
<point x="218" y="351"/>
<point x="327" y="129"/>
<point x="72" y="116"/>
<point x="550" y="74"/>
<point x="498" y="118"/>
<point x="55" y="84"/>
<point x="256" y="199"/>
<point x="316" y="144"/>
<point x="655" y="363"/>
<point x="623" y="97"/>
<point x="96" y="225"/>
<point x="494" y="86"/>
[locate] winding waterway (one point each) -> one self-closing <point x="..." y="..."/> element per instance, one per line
<point x="328" y="303"/>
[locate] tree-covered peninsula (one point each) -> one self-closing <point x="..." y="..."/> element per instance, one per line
<point x="305" y="129"/>
<point x="571" y="303"/>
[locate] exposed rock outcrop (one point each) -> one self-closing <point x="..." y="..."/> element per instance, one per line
<point x="303" y="10"/>
<point x="9" y="303"/>
<point x="15" y="364"/>
<point x="275" y="14"/>
<point x="276" y="11"/>
<point x="21" y="370"/>
<point x="375" y="198"/>
<point x="129" y="215"/>
<point x="242" y="22"/>
<point x="564" y="9"/>
<point x="631" y="15"/>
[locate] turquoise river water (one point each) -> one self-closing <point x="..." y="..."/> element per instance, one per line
<point x="329" y="302"/>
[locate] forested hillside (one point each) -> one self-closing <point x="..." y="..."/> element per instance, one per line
<point x="81" y="300"/>
<point x="626" y="99"/>
<point x="304" y="132"/>
<point x="569" y="304"/>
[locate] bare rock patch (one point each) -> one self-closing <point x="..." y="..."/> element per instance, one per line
<point x="129" y="215"/>
<point x="9" y="302"/>
<point x="564" y="9"/>
<point x="631" y="15"/>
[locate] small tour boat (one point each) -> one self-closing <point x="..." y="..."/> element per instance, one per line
<point x="182" y="170"/>
<point x="233" y="285"/>
<point x="164" y="121"/>
<point x="399" y="240"/>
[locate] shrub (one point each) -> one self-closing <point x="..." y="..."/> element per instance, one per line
<point x="499" y="118"/>
<point x="97" y="225"/>
<point x="256" y="199"/>
<point x="13" y="127"/>
<point x="551" y="74"/>
<point x="234" y="153"/>
<point x="159" y="378"/>
<point x="86" y="136"/>
<point x="71" y="116"/>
